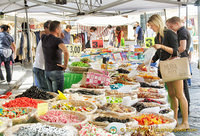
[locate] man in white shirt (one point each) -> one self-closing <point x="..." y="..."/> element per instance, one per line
<point x="39" y="64"/>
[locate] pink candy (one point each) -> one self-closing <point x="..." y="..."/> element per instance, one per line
<point x="59" y="117"/>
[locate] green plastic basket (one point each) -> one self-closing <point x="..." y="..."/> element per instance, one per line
<point x="71" y="78"/>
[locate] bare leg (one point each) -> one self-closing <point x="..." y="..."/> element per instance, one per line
<point x="178" y="87"/>
<point x="174" y="100"/>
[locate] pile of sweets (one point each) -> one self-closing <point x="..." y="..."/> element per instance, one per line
<point x="92" y="130"/>
<point x="36" y="93"/>
<point x="22" y="102"/>
<point x="59" y="117"/>
<point x="44" y="130"/>
<point x="14" y="112"/>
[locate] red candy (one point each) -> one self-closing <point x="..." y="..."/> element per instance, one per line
<point x="22" y="102"/>
<point x="59" y="117"/>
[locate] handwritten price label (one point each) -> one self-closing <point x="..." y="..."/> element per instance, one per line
<point x="74" y="50"/>
<point x="97" y="43"/>
<point x="149" y="41"/>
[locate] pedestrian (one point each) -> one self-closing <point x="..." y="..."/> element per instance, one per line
<point x="119" y="34"/>
<point x="66" y="34"/>
<point x="76" y="40"/>
<point x="167" y="46"/>
<point x="7" y="52"/>
<point x="184" y="41"/>
<point x="111" y="35"/>
<point x="91" y="36"/>
<point x="139" y="34"/>
<point x="53" y="47"/>
<point x="39" y="64"/>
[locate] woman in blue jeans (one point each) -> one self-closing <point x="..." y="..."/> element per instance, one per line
<point x="7" y="47"/>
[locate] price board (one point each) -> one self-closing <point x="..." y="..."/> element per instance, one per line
<point x="74" y="50"/>
<point x="97" y="43"/>
<point x="149" y="41"/>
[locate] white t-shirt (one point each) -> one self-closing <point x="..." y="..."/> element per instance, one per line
<point x="39" y="57"/>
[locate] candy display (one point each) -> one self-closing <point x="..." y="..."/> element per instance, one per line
<point x="150" y="95"/>
<point x="22" y="102"/>
<point x="14" y="112"/>
<point x="92" y="130"/>
<point x="36" y="93"/>
<point x="119" y="108"/>
<point x="151" y="119"/>
<point x="151" y="100"/>
<point x="150" y="90"/>
<point x="80" y="106"/>
<point x="92" y="86"/>
<point x="110" y="119"/>
<point x="124" y="71"/>
<point x="59" y="117"/>
<point x="85" y="92"/>
<point x="113" y="99"/>
<point x="41" y="130"/>
<point x="150" y="86"/>
<point x="123" y="79"/>
<point x="107" y="99"/>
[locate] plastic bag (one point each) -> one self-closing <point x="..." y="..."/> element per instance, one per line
<point x="148" y="55"/>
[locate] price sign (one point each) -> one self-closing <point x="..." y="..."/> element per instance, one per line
<point x="97" y="43"/>
<point x="42" y="108"/>
<point x="149" y="41"/>
<point x="74" y="50"/>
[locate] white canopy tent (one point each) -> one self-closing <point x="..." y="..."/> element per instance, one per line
<point x="104" y="21"/>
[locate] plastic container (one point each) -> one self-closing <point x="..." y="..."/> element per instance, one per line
<point x="71" y="78"/>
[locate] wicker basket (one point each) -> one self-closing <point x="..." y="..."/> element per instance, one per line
<point x="124" y="114"/>
<point x="100" y="92"/>
<point x="10" y="131"/>
<point x="130" y="124"/>
<point x="23" y="118"/>
<point x="80" y="70"/>
<point x="6" y="123"/>
<point x="167" y="126"/>
<point x="78" y="103"/>
<point x="55" y="95"/>
<point x="81" y="116"/>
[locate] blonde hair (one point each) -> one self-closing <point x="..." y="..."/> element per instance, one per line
<point x="157" y="21"/>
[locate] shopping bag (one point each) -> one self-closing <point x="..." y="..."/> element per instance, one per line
<point x="175" y="69"/>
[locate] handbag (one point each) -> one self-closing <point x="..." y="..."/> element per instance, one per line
<point x="175" y="69"/>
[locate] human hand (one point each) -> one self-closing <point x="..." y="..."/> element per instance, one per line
<point x="157" y="46"/>
<point x="64" y="67"/>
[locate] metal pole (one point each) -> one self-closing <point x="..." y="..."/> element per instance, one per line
<point x="179" y="10"/>
<point x="15" y="30"/>
<point x="145" y="20"/>
<point x="165" y="12"/>
<point x="28" y="29"/>
<point x="187" y="16"/>
<point x="199" y="33"/>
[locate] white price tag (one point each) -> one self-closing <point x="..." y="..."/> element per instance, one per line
<point x="74" y="50"/>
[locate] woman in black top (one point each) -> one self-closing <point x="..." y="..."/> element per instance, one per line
<point x="167" y="46"/>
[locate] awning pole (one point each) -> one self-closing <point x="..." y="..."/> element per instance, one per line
<point x="15" y="30"/>
<point x="187" y="16"/>
<point x="199" y="33"/>
<point x="28" y="29"/>
<point x="179" y="10"/>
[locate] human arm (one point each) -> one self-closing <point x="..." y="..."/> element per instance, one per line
<point x="182" y="46"/>
<point x="66" y="55"/>
<point x="170" y="43"/>
<point x="13" y="46"/>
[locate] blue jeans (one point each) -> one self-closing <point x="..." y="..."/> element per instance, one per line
<point x="55" y="80"/>
<point x="8" y="71"/>
<point x="39" y="74"/>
